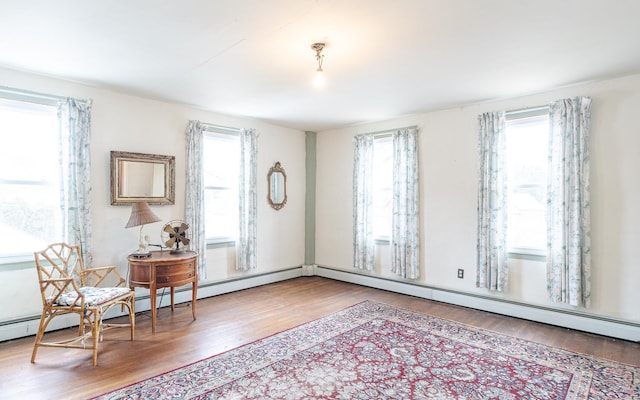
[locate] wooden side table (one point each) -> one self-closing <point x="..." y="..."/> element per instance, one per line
<point x="163" y="269"/>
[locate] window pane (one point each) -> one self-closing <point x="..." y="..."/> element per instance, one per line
<point x="382" y="187"/>
<point x="30" y="214"/>
<point x="221" y="157"/>
<point x="527" y="150"/>
<point x="29" y="218"/>
<point x="221" y="213"/>
<point x="33" y="129"/>
<point x="221" y="161"/>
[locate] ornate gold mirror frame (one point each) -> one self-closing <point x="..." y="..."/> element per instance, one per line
<point x="138" y="177"/>
<point x="277" y="183"/>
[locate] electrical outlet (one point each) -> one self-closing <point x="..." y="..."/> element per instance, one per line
<point x="460" y="273"/>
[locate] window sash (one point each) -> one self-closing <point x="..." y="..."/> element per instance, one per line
<point x="39" y="215"/>
<point x="219" y="183"/>
<point x="382" y="187"/>
<point x="531" y="194"/>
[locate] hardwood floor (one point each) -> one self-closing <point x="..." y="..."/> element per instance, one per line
<point x="231" y="320"/>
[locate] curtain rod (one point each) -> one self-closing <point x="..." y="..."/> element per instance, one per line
<point x="528" y="110"/>
<point x="34" y="97"/>
<point x="388" y="131"/>
<point x="207" y="127"/>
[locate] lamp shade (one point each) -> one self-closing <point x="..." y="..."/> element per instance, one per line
<point x="141" y="214"/>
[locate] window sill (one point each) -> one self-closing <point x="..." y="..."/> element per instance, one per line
<point x="15" y="262"/>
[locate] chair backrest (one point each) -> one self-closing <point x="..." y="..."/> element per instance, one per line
<point x="60" y="270"/>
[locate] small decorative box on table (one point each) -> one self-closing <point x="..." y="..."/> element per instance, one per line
<point x="163" y="269"/>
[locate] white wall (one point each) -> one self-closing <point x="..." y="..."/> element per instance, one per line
<point x="128" y="123"/>
<point x="448" y="168"/>
<point x="448" y="190"/>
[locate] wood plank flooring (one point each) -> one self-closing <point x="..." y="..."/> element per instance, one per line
<point x="231" y="320"/>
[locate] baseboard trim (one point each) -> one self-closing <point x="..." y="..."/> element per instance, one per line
<point x="625" y="330"/>
<point x="29" y="326"/>
<point x="593" y="324"/>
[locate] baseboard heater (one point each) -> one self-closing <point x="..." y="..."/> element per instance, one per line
<point x="625" y="330"/>
<point x="614" y="328"/>
<point x="28" y="326"/>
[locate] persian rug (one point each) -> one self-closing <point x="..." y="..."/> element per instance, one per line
<point x="376" y="351"/>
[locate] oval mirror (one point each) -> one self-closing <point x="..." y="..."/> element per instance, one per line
<point x="277" y="183"/>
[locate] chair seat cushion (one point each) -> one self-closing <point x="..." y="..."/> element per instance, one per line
<point x="94" y="296"/>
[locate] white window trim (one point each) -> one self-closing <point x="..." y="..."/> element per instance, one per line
<point x="525" y="252"/>
<point x="218" y="130"/>
<point x="383" y="136"/>
<point x="17" y="261"/>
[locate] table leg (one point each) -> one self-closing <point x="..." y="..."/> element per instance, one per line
<point x="173" y="290"/>
<point x="194" y="292"/>
<point x="152" y="292"/>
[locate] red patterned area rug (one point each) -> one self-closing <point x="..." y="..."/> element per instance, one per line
<point x="376" y="351"/>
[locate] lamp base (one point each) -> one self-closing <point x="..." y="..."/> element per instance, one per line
<point x="141" y="255"/>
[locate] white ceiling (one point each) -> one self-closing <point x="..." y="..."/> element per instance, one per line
<point x="383" y="59"/>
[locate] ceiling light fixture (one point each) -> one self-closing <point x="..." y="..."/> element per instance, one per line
<point x="318" y="80"/>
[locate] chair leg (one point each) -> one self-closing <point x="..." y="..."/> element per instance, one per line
<point x="132" y="316"/>
<point x="39" y="336"/>
<point x="131" y="309"/>
<point x="95" y="331"/>
<point x="90" y="319"/>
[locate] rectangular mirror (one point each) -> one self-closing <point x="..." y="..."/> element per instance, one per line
<point x="139" y="177"/>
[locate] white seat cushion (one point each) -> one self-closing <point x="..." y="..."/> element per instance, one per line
<point x="93" y="295"/>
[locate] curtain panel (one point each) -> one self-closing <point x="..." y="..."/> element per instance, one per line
<point x="568" y="203"/>
<point x="74" y="118"/>
<point x="363" y="243"/>
<point x="405" y="221"/>
<point x="246" y="245"/>
<point x="492" y="267"/>
<point x="194" y="209"/>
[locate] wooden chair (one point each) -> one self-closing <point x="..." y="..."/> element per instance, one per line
<point x="68" y="288"/>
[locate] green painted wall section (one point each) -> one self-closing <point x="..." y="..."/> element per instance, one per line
<point x="310" y="200"/>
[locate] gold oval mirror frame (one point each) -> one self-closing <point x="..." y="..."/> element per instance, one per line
<point x="277" y="184"/>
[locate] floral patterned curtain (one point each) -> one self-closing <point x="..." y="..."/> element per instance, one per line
<point x="405" y="221"/>
<point x="194" y="209"/>
<point x="246" y="244"/>
<point x="568" y="212"/>
<point x="492" y="268"/>
<point x="363" y="243"/>
<point x="75" y="163"/>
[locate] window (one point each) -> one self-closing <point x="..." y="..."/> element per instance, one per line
<point x="527" y="139"/>
<point x="221" y="153"/>
<point x="30" y="212"/>
<point x="382" y="187"/>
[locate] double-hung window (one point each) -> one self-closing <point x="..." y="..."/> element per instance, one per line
<point x="221" y="152"/>
<point x="527" y="136"/>
<point x="386" y="201"/>
<point x="31" y="216"/>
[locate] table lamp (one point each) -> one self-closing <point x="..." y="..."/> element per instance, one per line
<point x="141" y="214"/>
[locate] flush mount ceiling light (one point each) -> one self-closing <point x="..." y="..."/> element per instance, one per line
<point x="318" y="80"/>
